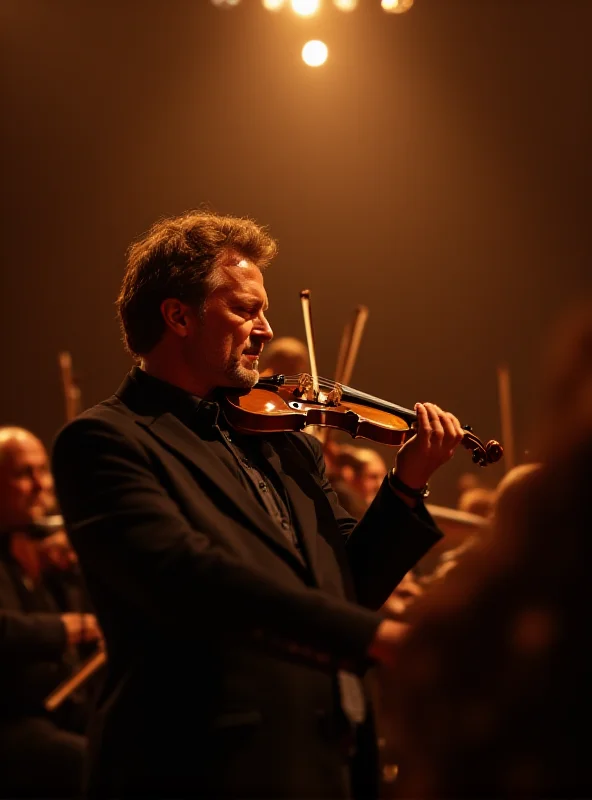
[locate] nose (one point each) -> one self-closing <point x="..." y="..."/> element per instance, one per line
<point x="41" y="480"/>
<point x="38" y="484"/>
<point x="263" y="329"/>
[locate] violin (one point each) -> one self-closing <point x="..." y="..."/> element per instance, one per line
<point x="282" y="403"/>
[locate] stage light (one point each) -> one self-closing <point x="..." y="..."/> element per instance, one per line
<point x="305" y="8"/>
<point x="314" y="53"/>
<point x="396" y="6"/>
<point x="345" y="5"/>
<point x="274" y="5"/>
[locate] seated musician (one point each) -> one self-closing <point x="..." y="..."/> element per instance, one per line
<point x="40" y="755"/>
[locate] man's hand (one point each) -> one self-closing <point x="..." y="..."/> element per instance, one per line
<point x="81" y="628"/>
<point x="438" y="435"/>
<point x="56" y="551"/>
<point x="387" y="641"/>
<point x="403" y="595"/>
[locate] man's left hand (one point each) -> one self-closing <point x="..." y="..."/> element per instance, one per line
<point x="438" y="435"/>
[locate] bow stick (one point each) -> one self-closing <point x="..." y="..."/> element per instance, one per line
<point x="65" y="689"/>
<point x="72" y="396"/>
<point x="306" y="313"/>
<point x="350" y="344"/>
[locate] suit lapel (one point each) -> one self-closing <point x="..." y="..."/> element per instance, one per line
<point x="174" y="435"/>
<point x="296" y="480"/>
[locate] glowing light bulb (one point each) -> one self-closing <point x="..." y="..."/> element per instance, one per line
<point x="305" y="8"/>
<point x="396" y="6"/>
<point x="345" y="5"/>
<point x="314" y="53"/>
<point x="273" y="5"/>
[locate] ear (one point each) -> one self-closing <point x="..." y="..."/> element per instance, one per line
<point x="177" y="315"/>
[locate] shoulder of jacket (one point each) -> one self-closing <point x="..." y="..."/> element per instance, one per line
<point x="110" y="415"/>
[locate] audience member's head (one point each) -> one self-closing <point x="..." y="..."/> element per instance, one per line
<point x="26" y="484"/>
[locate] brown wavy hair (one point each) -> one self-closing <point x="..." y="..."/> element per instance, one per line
<point x="176" y="258"/>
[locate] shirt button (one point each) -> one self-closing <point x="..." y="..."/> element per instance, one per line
<point x="263" y="486"/>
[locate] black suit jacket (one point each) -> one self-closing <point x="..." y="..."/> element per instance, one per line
<point x="223" y="646"/>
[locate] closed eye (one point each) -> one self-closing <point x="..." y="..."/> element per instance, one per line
<point x="245" y="311"/>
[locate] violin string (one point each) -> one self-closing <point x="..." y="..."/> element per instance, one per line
<point x="385" y="404"/>
<point x="354" y="394"/>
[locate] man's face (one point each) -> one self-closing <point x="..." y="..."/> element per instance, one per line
<point x="227" y="336"/>
<point x="26" y="484"/>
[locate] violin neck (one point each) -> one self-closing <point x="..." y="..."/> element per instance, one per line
<point x="353" y="395"/>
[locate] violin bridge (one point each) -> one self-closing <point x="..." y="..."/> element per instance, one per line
<point x="333" y="397"/>
<point x="305" y="385"/>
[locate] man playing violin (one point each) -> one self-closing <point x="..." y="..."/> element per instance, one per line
<point x="238" y="600"/>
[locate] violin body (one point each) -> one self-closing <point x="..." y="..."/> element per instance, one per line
<point x="273" y="410"/>
<point x="280" y="403"/>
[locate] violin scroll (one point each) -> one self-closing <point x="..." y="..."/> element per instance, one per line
<point x="482" y="454"/>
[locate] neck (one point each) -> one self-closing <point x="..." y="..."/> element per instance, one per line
<point x="171" y="369"/>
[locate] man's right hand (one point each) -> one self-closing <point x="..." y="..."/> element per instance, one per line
<point x="387" y="641"/>
<point x="81" y="628"/>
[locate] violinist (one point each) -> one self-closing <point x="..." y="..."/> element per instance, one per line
<point x="40" y="629"/>
<point x="240" y="602"/>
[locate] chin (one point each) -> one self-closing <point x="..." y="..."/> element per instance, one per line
<point x="242" y="378"/>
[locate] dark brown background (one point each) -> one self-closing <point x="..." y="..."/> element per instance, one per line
<point x="436" y="169"/>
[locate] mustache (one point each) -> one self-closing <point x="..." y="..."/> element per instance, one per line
<point x="253" y="350"/>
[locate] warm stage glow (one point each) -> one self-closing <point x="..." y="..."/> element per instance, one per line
<point x="226" y="3"/>
<point x="314" y="53"/>
<point x="305" y="8"/>
<point x="273" y="5"/>
<point x="396" y="6"/>
<point x="345" y="5"/>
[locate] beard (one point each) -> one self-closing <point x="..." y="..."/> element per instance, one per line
<point x="240" y="376"/>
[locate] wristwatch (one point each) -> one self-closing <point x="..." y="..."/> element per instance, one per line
<point x="396" y="483"/>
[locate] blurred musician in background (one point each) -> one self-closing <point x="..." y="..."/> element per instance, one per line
<point x="284" y="356"/>
<point x="40" y="630"/>
<point x="493" y="697"/>
<point x="479" y="500"/>
<point x="368" y="471"/>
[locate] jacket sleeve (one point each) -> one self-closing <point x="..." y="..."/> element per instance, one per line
<point x="127" y="529"/>
<point x="386" y="543"/>
<point x="31" y="637"/>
